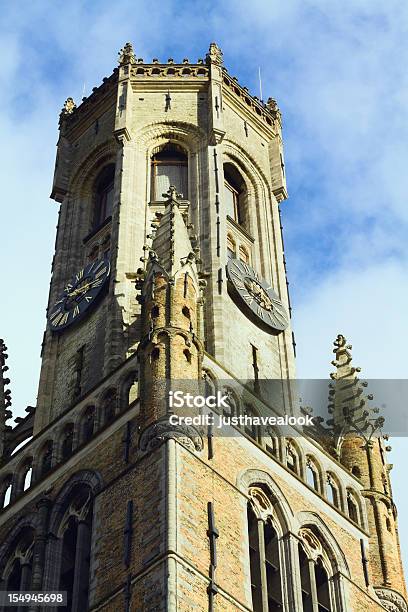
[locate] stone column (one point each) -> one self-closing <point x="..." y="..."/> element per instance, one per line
<point x="40" y="542"/>
<point x="81" y="571"/>
<point x="292" y="588"/>
<point x="313" y="588"/>
<point x="25" y="581"/>
<point x="262" y="566"/>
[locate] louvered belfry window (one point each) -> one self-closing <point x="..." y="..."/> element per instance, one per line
<point x="169" y="167"/>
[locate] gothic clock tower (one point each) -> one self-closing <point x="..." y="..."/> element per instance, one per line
<point x="169" y="265"/>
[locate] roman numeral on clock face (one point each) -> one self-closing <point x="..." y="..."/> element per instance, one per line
<point x="75" y="312"/>
<point x="64" y="319"/>
<point x="101" y="263"/>
<point x="79" y="276"/>
<point x="101" y="271"/>
<point x="60" y="319"/>
<point x="97" y="283"/>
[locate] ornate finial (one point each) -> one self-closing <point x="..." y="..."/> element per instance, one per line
<point x="272" y="104"/>
<point x="214" y="55"/>
<point x="347" y="400"/>
<point x="126" y="55"/>
<point x="273" y="108"/>
<point x="172" y="194"/>
<point x="68" y="108"/>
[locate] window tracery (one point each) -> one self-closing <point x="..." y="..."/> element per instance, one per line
<point x="264" y="553"/>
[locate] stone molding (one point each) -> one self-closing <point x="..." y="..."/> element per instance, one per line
<point x="391" y="600"/>
<point x="157" y="433"/>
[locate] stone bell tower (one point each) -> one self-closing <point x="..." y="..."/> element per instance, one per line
<point x="169" y="266"/>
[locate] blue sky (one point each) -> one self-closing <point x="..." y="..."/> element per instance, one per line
<point x="338" y="71"/>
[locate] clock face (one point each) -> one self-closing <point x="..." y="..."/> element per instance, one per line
<point x="79" y="295"/>
<point x="261" y="302"/>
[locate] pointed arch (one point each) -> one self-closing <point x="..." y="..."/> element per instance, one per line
<point x="284" y="512"/>
<point x="91" y="479"/>
<point x="68" y="558"/>
<point x="87" y="169"/>
<point x="16" y="554"/>
<point x="311" y="520"/>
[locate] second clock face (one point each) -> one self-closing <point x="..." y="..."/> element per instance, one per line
<point x="79" y="295"/>
<point x="258" y="297"/>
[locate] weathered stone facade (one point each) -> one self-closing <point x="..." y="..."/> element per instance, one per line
<point x="164" y="509"/>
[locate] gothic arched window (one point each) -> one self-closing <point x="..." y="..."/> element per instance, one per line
<point x="264" y="556"/>
<point x="67" y="441"/>
<point x="232" y="401"/>
<point x="210" y="383"/>
<point x="352" y="507"/>
<point x="103" y="195"/>
<point x="293" y="458"/>
<point x="312" y="474"/>
<point x="314" y="575"/>
<point x="6" y="488"/>
<point x="169" y="167"/>
<point x="109" y="407"/>
<point x="25" y="475"/>
<point x="333" y="491"/>
<point x="75" y="543"/>
<point x="129" y="391"/>
<point x="250" y="428"/>
<point x="234" y="194"/>
<point x="87" y="423"/>
<point x="45" y="460"/>
<point x="17" y="572"/>
<point x="271" y="443"/>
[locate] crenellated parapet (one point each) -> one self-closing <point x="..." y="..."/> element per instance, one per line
<point x="5" y="399"/>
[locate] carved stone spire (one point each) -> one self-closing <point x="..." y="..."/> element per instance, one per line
<point x="5" y="397"/>
<point x="348" y="402"/>
<point x="214" y="55"/>
<point x="127" y="55"/>
<point x="172" y="244"/>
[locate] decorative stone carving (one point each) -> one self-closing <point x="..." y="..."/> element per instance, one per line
<point x="261" y="502"/>
<point x="78" y="510"/>
<point x="68" y="108"/>
<point x="311" y="542"/>
<point x="159" y="432"/>
<point x="214" y="55"/>
<point x="391" y="600"/>
<point x="127" y="55"/>
<point x="273" y="107"/>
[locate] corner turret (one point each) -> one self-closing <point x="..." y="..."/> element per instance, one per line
<point x="171" y="346"/>
<point x="361" y="448"/>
